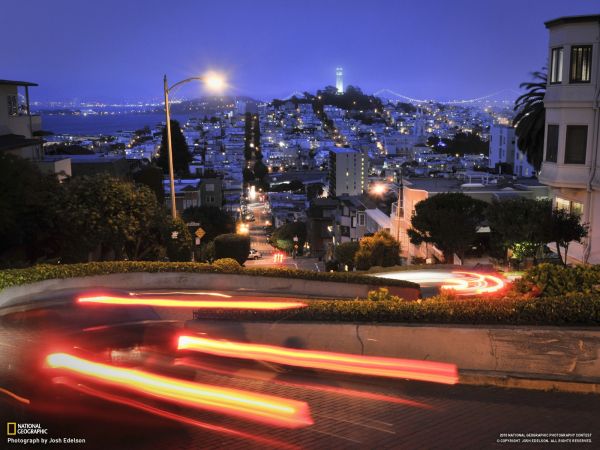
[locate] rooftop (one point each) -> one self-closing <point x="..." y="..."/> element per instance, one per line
<point x="381" y="218"/>
<point x="17" y="83"/>
<point x="572" y="19"/>
<point x="13" y="141"/>
<point x="454" y="185"/>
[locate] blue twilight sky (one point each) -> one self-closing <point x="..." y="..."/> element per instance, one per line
<point x="119" y="50"/>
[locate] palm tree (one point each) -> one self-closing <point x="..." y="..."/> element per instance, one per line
<point x="530" y="118"/>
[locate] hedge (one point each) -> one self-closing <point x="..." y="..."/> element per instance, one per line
<point x="579" y="309"/>
<point x="554" y="280"/>
<point x="15" y="277"/>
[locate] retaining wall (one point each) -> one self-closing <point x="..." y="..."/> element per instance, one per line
<point x="194" y="281"/>
<point x="531" y="352"/>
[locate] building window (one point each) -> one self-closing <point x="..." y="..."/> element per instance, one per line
<point x="210" y="187"/>
<point x="569" y="206"/>
<point x="577" y="208"/>
<point x="556" y="65"/>
<point x="361" y="220"/>
<point x="563" y="204"/>
<point x="576" y="143"/>
<point x="13" y="107"/>
<point x="581" y="63"/>
<point x="552" y="144"/>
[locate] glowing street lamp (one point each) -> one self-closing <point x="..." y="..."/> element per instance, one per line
<point x="243" y="228"/>
<point x="214" y="82"/>
<point x="378" y="189"/>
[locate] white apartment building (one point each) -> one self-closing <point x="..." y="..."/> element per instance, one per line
<point x="348" y="171"/>
<point x="504" y="149"/>
<point x="571" y="146"/>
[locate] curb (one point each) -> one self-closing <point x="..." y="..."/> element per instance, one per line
<point x="515" y="381"/>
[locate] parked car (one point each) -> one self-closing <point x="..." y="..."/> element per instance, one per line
<point x="254" y="254"/>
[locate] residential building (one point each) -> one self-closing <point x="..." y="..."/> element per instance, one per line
<point x="211" y="192"/>
<point x="348" y="171"/>
<point x="505" y="151"/>
<point x="319" y="226"/>
<point x="484" y="188"/>
<point x="355" y="217"/>
<point x="572" y="101"/>
<point x="18" y="128"/>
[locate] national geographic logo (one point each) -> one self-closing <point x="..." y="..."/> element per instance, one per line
<point x="13" y="428"/>
<point x="33" y="434"/>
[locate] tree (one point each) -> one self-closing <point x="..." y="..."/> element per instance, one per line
<point x="235" y="246"/>
<point x="260" y="170"/>
<point x="181" y="154"/>
<point x="283" y="237"/>
<point x="449" y="221"/>
<point x="565" y="227"/>
<point x="518" y="224"/>
<point x="381" y="249"/>
<point x="101" y="216"/>
<point x="314" y="190"/>
<point x="152" y="176"/>
<point x="29" y="220"/>
<point x="531" y="117"/>
<point x="248" y="175"/>
<point x="212" y="219"/>
<point x="345" y="252"/>
<point x="178" y="240"/>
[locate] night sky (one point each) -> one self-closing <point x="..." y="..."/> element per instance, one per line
<point x="119" y="50"/>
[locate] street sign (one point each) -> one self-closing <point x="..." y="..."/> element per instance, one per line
<point x="193" y="224"/>
<point x="200" y="233"/>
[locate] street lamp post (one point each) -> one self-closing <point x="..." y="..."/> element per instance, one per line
<point x="214" y="82"/>
<point x="170" y="149"/>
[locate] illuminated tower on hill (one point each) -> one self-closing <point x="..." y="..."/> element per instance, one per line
<point x="339" y="80"/>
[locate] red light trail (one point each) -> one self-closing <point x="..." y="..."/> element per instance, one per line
<point x="315" y="387"/>
<point x="339" y="362"/>
<point x="472" y="283"/>
<point x="248" y="405"/>
<point x="174" y="303"/>
<point x="172" y="416"/>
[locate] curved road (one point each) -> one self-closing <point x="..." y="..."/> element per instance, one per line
<point x="348" y="411"/>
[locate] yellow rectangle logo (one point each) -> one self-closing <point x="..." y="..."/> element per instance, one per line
<point x="11" y="428"/>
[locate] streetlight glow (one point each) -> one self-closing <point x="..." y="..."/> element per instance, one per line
<point x="215" y="82"/>
<point x="378" y="189"/>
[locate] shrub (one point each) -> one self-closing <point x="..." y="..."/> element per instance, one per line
<point x="227" y="264"/>
<point x="553" y="280"/>
<point x="332" y="264"/>
<point x="362" y="259"/>
<point x="382" y="295"/>
<point x="235" y="246"/>
<point x="16" y="277"/>
<point x="579" y="309"/>
<point x="345" y="252"/>
<point x="206" y="253"/>
<point x="381" y="249"/>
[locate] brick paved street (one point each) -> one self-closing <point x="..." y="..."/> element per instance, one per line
<point x="398" y="414"/>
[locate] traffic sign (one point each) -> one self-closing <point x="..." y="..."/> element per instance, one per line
<point x="200" y="233"/>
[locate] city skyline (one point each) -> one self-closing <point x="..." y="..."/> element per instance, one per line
<point x="114" y="52"/>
